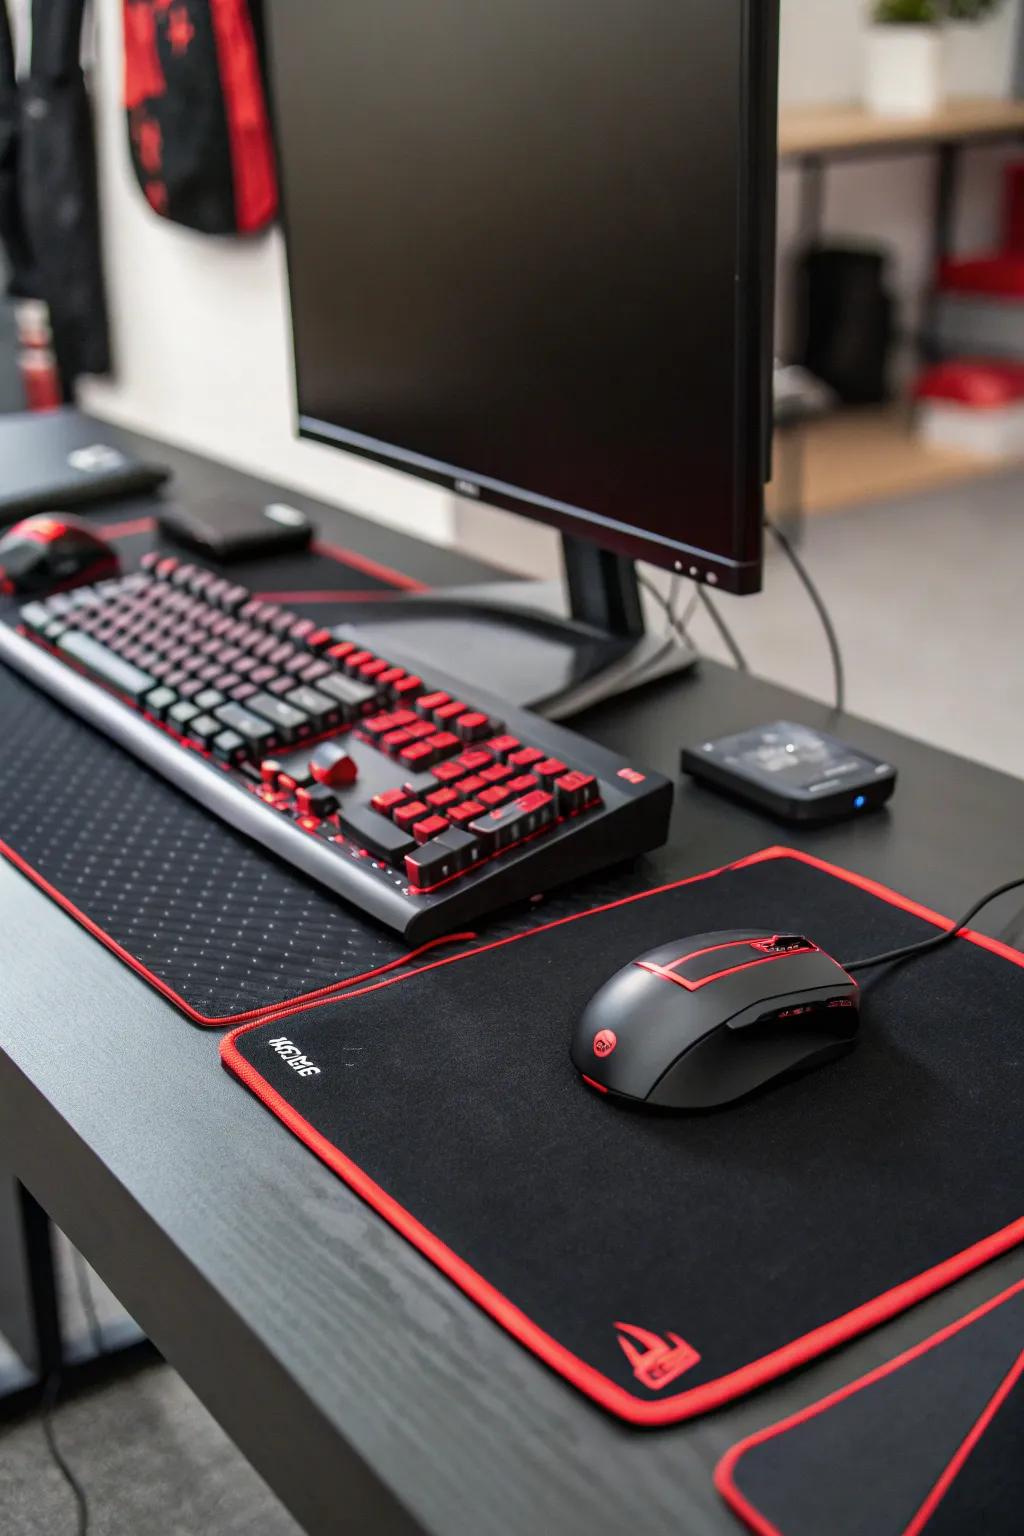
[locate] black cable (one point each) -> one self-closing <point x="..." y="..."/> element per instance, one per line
<point x="724" y="630"/>
<point x="88" y="1304"/>
<point x="835" y="651"/>
<point x="939" y="939"/>
<point x="50" y="1394"/>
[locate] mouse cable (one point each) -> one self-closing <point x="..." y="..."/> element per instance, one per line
<point x="835" y="651"/>
<point x="941" y="938"/>
<point x="88" y="1304"/>
<point x="49" y="1401"/>
<point x="726" y="633"/>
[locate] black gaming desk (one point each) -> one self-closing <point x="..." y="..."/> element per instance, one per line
<point x="285" y="1303"/>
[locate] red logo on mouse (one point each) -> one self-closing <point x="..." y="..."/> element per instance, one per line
<point x="605" y="1042"/>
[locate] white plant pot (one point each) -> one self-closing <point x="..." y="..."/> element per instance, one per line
<point x="903" y="76"/>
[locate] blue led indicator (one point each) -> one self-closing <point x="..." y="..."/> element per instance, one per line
<point x="860" y="802"/>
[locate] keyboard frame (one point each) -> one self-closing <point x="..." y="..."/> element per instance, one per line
<point x="633" y="819"/>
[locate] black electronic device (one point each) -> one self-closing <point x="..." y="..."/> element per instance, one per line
<point x="707" y="1020"/>
<point x="794" y="772"/>
<point x="437" y="808"/>
<point x="53" y="553"/>
<point x="547" y="286"/>
<point x="225" y="530"/>
<point x="56" y="460"/>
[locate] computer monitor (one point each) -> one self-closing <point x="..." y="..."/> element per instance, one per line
<point x="530" y="254"/>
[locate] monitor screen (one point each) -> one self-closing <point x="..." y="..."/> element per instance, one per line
<point x="527" y="256"/>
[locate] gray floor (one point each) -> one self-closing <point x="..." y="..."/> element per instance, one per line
<point x="928" y="602"/>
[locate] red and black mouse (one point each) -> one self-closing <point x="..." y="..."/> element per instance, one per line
<point x="707" y="1020"/>
<point x="53" y="552"/>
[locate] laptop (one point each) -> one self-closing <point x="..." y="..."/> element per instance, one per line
<point x="59" y="460"/>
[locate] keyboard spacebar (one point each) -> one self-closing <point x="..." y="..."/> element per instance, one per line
<point x="109" y="668"/>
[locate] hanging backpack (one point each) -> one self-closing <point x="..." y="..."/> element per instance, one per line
<point x="198" y="125"/>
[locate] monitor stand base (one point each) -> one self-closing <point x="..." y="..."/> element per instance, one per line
<point x="513" y="639"/>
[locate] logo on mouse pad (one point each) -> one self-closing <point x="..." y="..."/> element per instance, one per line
<point x="656" y="1361"/>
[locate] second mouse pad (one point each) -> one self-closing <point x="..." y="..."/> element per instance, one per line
<point x="666" y="1263"/>
<point x="929" y="1442"/>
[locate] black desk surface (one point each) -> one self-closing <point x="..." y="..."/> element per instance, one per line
<point x="284" y="1302"/>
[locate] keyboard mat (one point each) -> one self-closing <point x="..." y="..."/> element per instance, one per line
<point x="929" y="1442"/>
<point x="667" y="1264"/>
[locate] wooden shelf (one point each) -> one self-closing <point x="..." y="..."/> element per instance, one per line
<point x="849" y="129"/>
<point x="872" y="454"/>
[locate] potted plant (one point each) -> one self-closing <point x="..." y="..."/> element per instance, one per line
<point x="904" y="58"/>
<point x="977" y="56"/>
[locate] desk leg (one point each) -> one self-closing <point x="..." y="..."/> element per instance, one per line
<point x="29" y="1316"/>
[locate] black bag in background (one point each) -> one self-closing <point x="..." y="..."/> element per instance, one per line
<point x="198" y="124"/>
<point x="23" y="282"/>
<point x="847" y="316"/>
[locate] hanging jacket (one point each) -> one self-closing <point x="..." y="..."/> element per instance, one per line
<point x="22" y="280"/>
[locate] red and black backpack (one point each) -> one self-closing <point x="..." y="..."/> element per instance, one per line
<point x="198" y="124"/>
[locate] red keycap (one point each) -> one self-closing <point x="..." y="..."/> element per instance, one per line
<point x="472" y="726"/>
<point x="373" y="668"/>
<point x="407" y="815"/>
<point x="496" y="795"/>
<point x="433" y="826"/>
<point x="443" y="741"/>
<point x="504" y="746"/>
<point x="449" y="712"/>
<point x="270" y="770"/>
<point x="471" y="785"/>
<point x="391" y="676"/>
<point x="407" y="686"/>
<point x="441" y="799"/>
<point x="319" y="640"/>
<point x="522" y="785"/>
<point x="497" y="773"/>
<point x="477" y="758"/>
<point x="550" y="768"/>
<point x="404" y="717"/>
<point x="575" y="790"/>
<point x="357" y="659"/>
<point x="462" y="815"/>
<point x="378" y="725"/>
<point x="526" y="757"/>
<point x="388" y="801"/>
<point x="447" y="773"/>
<point x="417" y="755"/>
<point x="332" y="765"/>
<point x="394" y="740"/>
<point x="428" y="702"/>
<point x="420" y="731"/>
<point x="339" y="652"/>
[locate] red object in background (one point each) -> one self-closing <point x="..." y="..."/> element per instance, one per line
<point x="198" y="126"/>
<point x="37" y="361"/>
<point x="1000" y="276"/>
<point x="975" y="383"/>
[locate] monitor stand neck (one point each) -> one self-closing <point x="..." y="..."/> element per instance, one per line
<point x="513" y="637"/>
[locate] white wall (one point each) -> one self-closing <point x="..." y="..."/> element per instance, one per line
<point x="202" y="344"/>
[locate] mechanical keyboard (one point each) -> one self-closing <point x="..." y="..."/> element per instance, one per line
<point x="423" y="807"/>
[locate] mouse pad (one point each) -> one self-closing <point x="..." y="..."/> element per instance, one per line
<point x="930" y="1442"/>
<point x="223" y="929"/>
<point x="665" y="1264"/>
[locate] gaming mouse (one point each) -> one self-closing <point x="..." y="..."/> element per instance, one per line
<point x="706" y="1020"/>
<point x="53" y="552"/>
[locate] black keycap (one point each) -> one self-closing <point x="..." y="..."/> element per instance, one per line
<point x="203" y="729"/>
<point x="281" y="686"/>
<point x="375" y="833"/>
<point x="102" y="663"/>
<point x="229" y="746"/>
<point x="285" y="718"/>
<point x="518" y="819"/>
<point x="159" y="701"/>
<point x="440" y="859"/>
<point x="257" y="732"/>
<point x="35" y="616"/>
<point x="322" y="711"/>
<point x="180" y="714"/>
<point x="210" y="698"/>
<point x="54" y="629"/>
<point x="318" y="800"/>
<point x="352" y="696"/>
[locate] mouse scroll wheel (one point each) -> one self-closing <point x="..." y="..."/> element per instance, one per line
<point x="782" y="944"/>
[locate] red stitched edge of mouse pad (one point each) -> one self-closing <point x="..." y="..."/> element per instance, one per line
<point x="929" y="1441"/>
<point x="665" y="1264"/>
